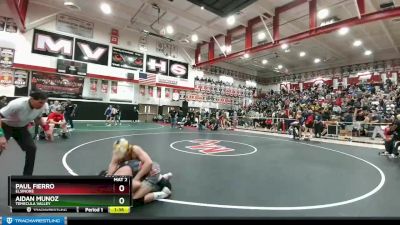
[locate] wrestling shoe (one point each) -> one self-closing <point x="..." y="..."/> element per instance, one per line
<point x="167" y="191"/>
<point x="383" y="153"/>
<point x="393" y="156"/>
<point x="64" y="135"/>
<point x="167" y="176"/>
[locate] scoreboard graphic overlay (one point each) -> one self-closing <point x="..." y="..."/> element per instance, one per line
<point x="62" y="194"/>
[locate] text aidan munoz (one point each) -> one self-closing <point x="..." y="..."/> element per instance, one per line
<point x="34" y="200"/>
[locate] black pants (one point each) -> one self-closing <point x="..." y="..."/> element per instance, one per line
<point x="24" y="139"/>
<point x="318" y="128"/>
<point x="391" y="148"/>
<point x="69" y="120"/>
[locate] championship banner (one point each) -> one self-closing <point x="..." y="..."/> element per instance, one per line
<point x="142" y="90"/>
<point x="93" y="85"/>
<point x="150" y="91"/>
<point x="122" y="58"/>
<point x="175" y="95"/>
<point x="11" y="26"/>
<point x="57" y="86"/>
<point x="218" y="89"/>
<point x="76" y="26"/>
<point x="201" y="86"/>
<point x="167" y="93"/>
<point x="6" y="77"/>
<point x="196" y="86"/>
<point x="182" y="95"/>
<point x="6" y="57"/>
<point x="2" y="23"/>
<point x="104" y="86"/>
<point x="208" y="87"/>
<point x="158" y="92"/>
<point x="21" y="78"/>
<point x="114" y="87"/>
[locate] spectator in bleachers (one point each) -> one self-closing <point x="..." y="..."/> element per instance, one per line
<point x="3" y="101"/>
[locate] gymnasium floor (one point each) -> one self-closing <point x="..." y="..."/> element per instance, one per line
<point x="246" y="175"/>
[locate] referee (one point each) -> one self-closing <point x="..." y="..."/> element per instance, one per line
<point x="14" y="120"/>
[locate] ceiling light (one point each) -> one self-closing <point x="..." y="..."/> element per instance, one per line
<point x="68" y="3"/>
<point x="344" y="30"/>
<point x="284" y="46"/>
<point x="169" y="29"/>
<point x="302" y="54"/>
<point x="317" y="60"/>
<point x="280" y="66"/>
<point x="246" y="56"/>
<point x="264" y="61"/>
<point x="323" y="13"/>
<point x="106" y="8"/>
<point x="261" y="36"/>
<point x="195" y="38"/>
<point x="202" y="8"/>
<point x="230" y="20"/>
<point x="367" y="52"/>
<point x="223" y="48"/>
<point x="228" y="49"/>
<point x="357" y="43"/>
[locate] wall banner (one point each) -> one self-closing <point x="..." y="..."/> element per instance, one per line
<point x="57" y="86"/>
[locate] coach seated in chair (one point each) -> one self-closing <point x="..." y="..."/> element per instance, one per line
<point x="392" y="138"/>
<point x="56" y="120"/>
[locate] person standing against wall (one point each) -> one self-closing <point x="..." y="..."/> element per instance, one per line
<point x="69" y="114"/>
<point x="118" y="115"/>
<point x="14" y="120"/>
<point x="135" y="115"/>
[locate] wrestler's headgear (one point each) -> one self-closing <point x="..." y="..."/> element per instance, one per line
<point x="120" y="148"/>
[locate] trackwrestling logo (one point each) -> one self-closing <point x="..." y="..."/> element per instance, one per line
<point x="53" y="220"/>
<point x="213" y="147"/>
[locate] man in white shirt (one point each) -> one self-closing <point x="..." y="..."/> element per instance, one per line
<point x="14" y="120"/>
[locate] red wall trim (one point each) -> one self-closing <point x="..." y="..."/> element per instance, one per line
<point x="90" y="75"/>
<point x="36" y="68"/>
<point x="173" y="86"/>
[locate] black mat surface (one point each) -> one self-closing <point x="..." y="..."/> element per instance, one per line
<point x="280" y="178"/>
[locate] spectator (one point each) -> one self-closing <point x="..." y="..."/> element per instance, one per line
<point x="173" y="115"/>
<point x="70" y="112"/>
<point x="3" y="101"/>
<point x="135" y="116"/>
<point x="56" y="120"/>
<point x="118" y="115"/>
<point x="54" y="106"/>
<point x="107" y="113"/>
